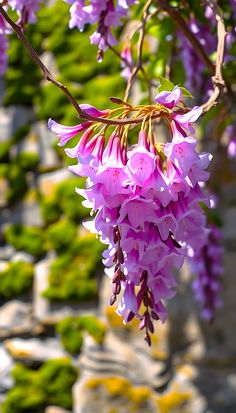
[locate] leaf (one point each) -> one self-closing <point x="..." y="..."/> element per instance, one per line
<point x="186" y="92"/>
<point x="165" y="85"/>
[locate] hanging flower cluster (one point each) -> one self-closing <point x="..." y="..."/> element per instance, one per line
<point x="207" y="264"/>
<point x="145" y="198"/>
<point x="105" y="13"/>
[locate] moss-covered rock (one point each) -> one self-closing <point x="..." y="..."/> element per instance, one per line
<point x="61" y="235"/>
<point x="16" y="279"/>
<point x="64" y="201"/>
<point x="29" y="239"/>
<point x="4" y="150"/>
<point x="28" y="161"/>
<point x="70" y="202"/>
<point x="71" y="331"/>
<point x="73" y="274"/>
<point x="35" y="390"/>
<point x="17" y="184"/>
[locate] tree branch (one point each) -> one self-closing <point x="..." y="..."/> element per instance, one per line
<point x="217" y="79"/>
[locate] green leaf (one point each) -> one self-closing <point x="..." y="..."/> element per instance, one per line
<point x="186" y="92"/>
<point x="165" y="85"/>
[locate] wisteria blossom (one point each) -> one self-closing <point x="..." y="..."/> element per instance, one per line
<point x="145" y="201"/>
<point x="26" y="9"/>
<point x="194" y="66"/>
<point x="207" y="265"/>
<point x="127" y="63"/>
<point x="107" y="14"/>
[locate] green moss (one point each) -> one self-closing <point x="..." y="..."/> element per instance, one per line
<point x="15" y="176"/>
<point x="71" y="334"/>
<point x="61" y="234"/>
<point x="64" y="201"/>
<point x="28" y="160"/>
<point x="50" y="210"/>
<point x="50" y="385"/>
<point x="71" y="331"/>
<point x="29" y="239"/>
<point x="4" y="151"/>
<point x="16" y="279"/>
<point x="95" y="327"/>
<point x="22" y="70"/>
<point x="73" y="274"/>
<point x="21" y="133"/>
<point x="70" y="202"/>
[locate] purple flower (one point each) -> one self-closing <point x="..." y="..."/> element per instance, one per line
<point x="169" y="99"/>
<point x="26" y="9"/>
<point x="127" y="63"/>
<point x="106" y="13"/>
<point x="66" y="133"/>
<point x="194" y="67"/>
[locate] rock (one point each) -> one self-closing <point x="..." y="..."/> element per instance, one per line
<point x="4" y="186"/>
<point x="55" y="409"/>
<point x="29" y="144"/>
<point x="16" y="318"/>
<point x="6" y="252"/>
<point x="27" y="212"/>
<point x="48" y="156"/>
<point x="22" y="256"/>
<point x="112" y="394"/>
<point x="40" y="304"/>
<point x="34" y="349"/>
<point x="6" y="123"/>
<point x="49" y="181"/>
<point x="3" y="265"/>
<point x="6" y="381"/>
<point x="51" y="313"/>
<point x="12" y="118"/>
<point x="125" y="346"/>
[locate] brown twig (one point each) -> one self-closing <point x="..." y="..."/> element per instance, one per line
<point x="217" y="79"/>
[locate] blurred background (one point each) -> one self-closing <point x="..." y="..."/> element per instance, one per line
<point x="62" y="347"/>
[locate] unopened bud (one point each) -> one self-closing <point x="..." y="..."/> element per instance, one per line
<point x="147" y="338"/>
<point x="154" y="315"/>
<point x="151" y="326"/>
<point x="120" y="255"/>
<point x="130" y="316"/>
<point x="144" y="276"/>
<point x="116" y="276"/>
<point x="112" y="299"/>
<point x="116" y="288"/>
